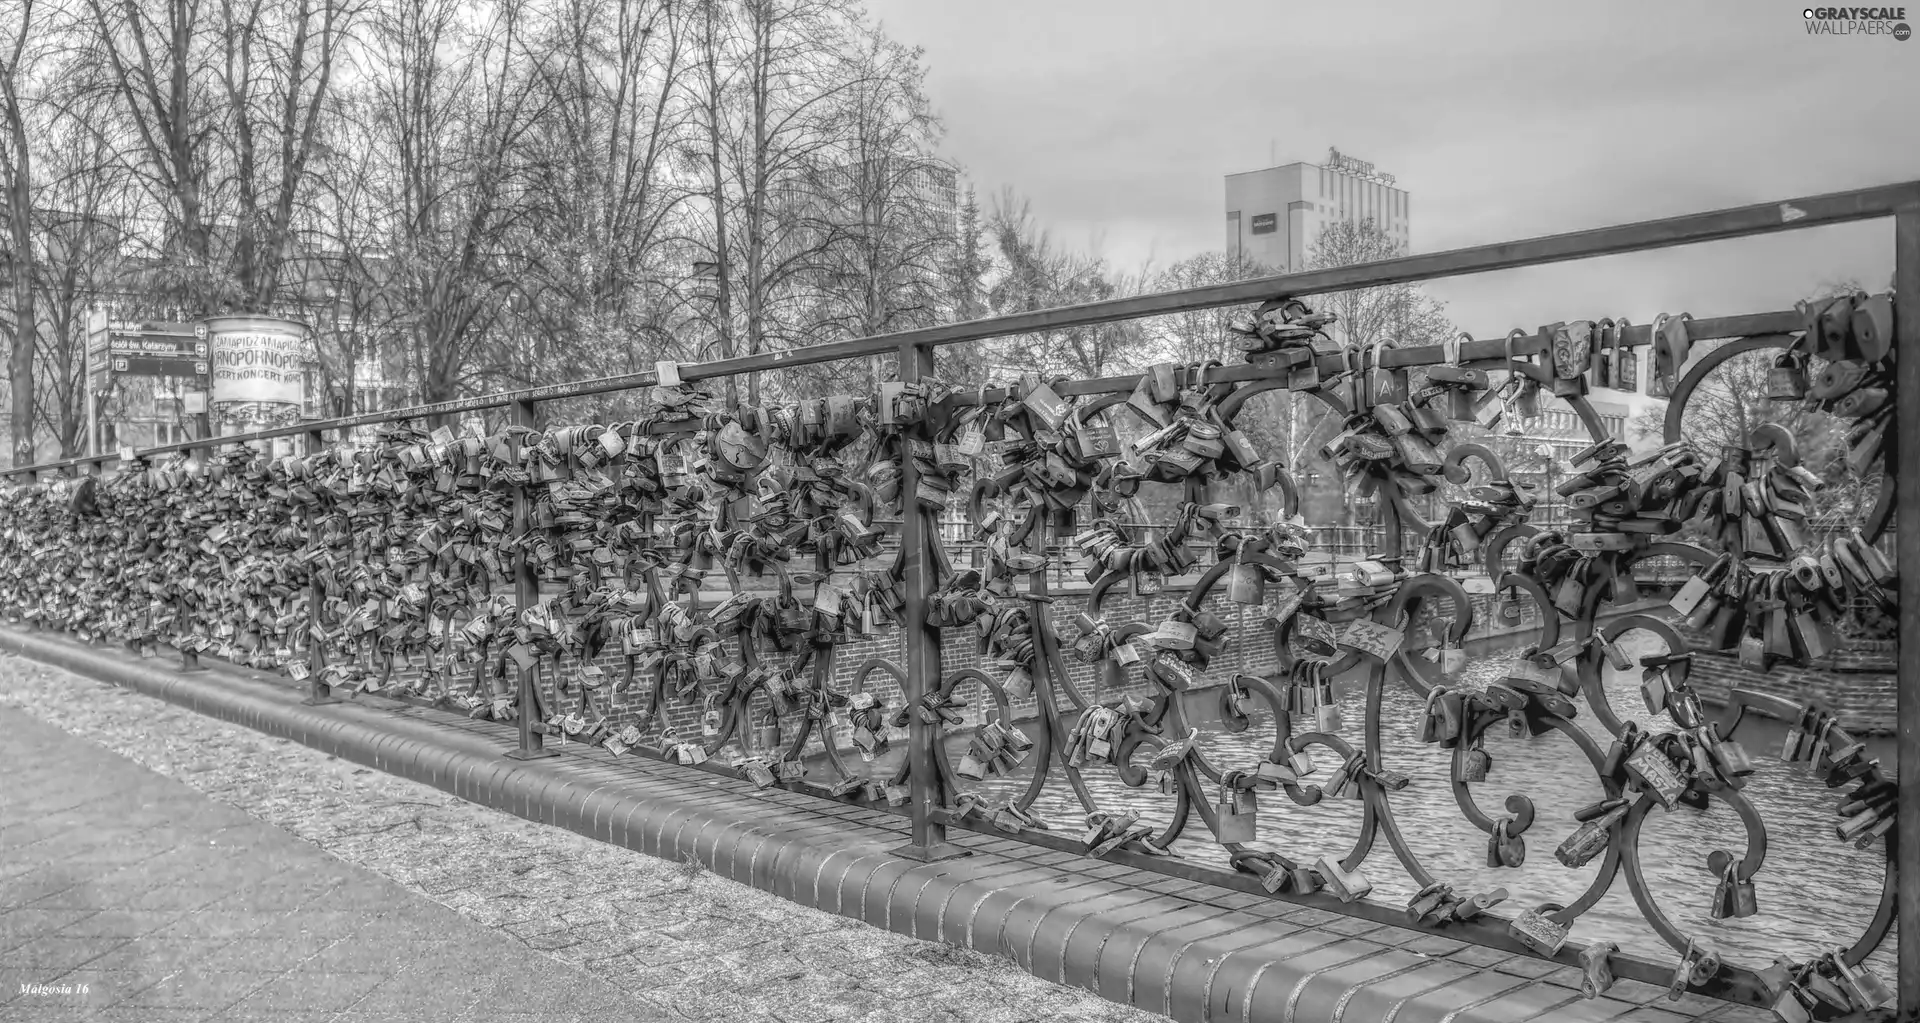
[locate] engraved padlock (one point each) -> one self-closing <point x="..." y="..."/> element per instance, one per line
<point x="1539" y="932"/>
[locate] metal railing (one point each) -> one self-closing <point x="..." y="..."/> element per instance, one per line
<point x="928" y="786"/>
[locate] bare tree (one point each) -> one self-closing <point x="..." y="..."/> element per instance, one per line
<point x="605" y="201"/>
<point x="451" y="111"/>
<point x="772" y="113"/>
<point x="1034" y="272"/>
<point x="220" y="106"/>
<point x="1397" y="314"/>
<point x="86" y="203"/>
<point x="16" y="176"/>
<point x="1202" y="334"/>
<point x="277" y="64"/>
<point x="891" y="209"/>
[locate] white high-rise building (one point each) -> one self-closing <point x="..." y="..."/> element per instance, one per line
<point x="1273" y="215"/>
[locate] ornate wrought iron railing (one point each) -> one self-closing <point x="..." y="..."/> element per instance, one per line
<point x="316" y="562"/>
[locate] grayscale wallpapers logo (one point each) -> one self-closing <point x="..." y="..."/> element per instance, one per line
<point x="1858" y="21"/>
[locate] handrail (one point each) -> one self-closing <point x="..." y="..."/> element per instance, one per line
<point x="1733" y="222"/>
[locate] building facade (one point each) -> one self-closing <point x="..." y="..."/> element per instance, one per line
<point x="1273" y="215"/>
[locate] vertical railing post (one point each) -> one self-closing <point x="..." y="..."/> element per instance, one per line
<point x="526" y="593"/>
<point x="318" y="691"/>
<point x="190" y="659"/>
<point x="929" y="840"/>
<point x="1906" y="319"/>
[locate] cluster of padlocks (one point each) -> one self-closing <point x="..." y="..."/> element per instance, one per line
<point x="390" y="566"/>
<point x="408" y="563"/>
<point x="208" y="560"/>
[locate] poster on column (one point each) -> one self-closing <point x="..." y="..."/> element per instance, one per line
<point x="258" y="369"/>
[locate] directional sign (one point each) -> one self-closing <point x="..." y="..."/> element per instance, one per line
<point x="144" y="365"/>
<point x="178" y="352"/>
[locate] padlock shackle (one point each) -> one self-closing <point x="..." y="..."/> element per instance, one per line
<point x="1775" y="439"/>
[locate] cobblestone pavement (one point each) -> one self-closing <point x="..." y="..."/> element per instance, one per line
<point x="126" y="895"/>
<point x="677" y="942"/>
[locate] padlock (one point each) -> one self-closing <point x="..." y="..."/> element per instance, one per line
<point x="1590" y="838"/>
<point x="1597" y="972"/>
<point x="1247" y="584"/>
<point x="1300" y="760"/>
<point x="1791" y="1006"/>
<point x="1348" y="885"/>
<point x="1475" y="762"/>
<point x="1740" y="898"/>
<point x="1233" y="825"/>
<point x="1427" y="901"/>
<point x="1326" y="702"/>
<point x="1787" y="380"/>
<point x="1654" y="773"/>
<point x="1729" y="757"/>
<point x="1504" y="848"/>
<point x="768" y="734"/>
<point x="1655" y="688"/>
<point x="1478" y="903"/>
<point x="1868" y="990"/>
<point x="1821" y="980"/>
<point x="1539" y="932"/>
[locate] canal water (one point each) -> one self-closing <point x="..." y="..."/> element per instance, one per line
<point x="1814" y="891"/>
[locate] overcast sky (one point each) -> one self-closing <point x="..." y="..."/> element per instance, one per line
<point x="1503" y="120"/>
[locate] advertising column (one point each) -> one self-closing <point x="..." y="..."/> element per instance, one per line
<point x="259" y="376"/>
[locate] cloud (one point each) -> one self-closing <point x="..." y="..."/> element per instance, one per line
<point x="1504" y="121"/>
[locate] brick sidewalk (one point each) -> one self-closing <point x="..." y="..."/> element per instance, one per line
<point x="128" y="896"/>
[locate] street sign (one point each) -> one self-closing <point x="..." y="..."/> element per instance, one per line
<point x="125" y="350"/>
<point x="156" y="366"/>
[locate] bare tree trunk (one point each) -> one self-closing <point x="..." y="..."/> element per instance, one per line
<point x="18" y="164"/>
<point x="723" y="268"/>
<point x="756" y="197"/>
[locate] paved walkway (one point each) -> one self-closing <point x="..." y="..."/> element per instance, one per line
<point x="1194" y="950"/>
<point x="670" y="933"/>
<point x="125" y="895"/>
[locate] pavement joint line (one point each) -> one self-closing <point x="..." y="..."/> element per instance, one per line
<point x="1133" y="964"/>
<point x="1119" y="922"/>
<point x="1173" y="962"/>
<point x="972" y="874"/>
<point x="1347" y="996"/>
<point x="949" y="868"/>
<point x="1028" y="963"/>
<point x="1393" y="1011"/>
<point x="1542" y="1014"/>
<point x="1066" y="941"/>
<point x="1454" y="1014"/>
<point x="1225" y="957"/>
